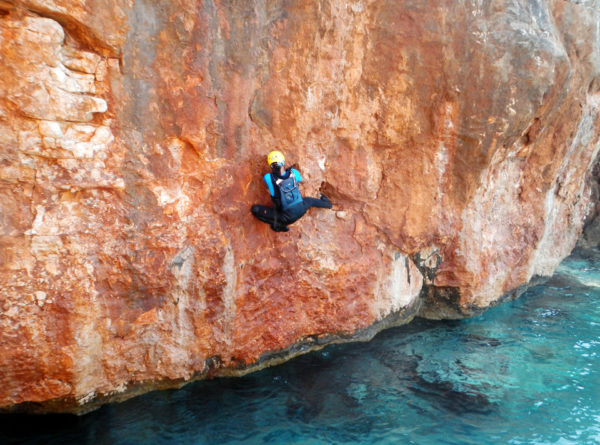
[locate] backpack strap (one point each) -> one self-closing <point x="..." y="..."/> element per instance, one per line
<point x="277" y="181"/>
<point x="276" y="196"/>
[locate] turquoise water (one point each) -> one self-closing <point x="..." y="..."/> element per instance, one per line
<point x="527" y="372"/>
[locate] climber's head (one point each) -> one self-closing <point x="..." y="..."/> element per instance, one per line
<point x="276" y="160"/>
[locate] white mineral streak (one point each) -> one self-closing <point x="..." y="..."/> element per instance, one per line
<point x="397" y="288"/>
<point x="182" y="268"/>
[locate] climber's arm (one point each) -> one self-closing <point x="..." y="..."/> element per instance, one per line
<point x="297" y="175"/>
<point x="276" y="200"/>
<point x="269" y="183"/>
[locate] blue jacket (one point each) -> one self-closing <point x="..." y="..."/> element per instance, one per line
<point x="286" y="175"/>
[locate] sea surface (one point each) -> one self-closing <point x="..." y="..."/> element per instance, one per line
<point x="526" y="372"/>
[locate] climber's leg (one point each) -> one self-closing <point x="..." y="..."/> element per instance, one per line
<point x="269" y="216"/>
<point x="323" y="203"/>
<point x="264" y="213"/>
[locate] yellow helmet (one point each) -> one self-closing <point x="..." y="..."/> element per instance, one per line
<point x="276" y="157"/>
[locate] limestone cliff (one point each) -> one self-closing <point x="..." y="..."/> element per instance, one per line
<point x="456" y="140"/>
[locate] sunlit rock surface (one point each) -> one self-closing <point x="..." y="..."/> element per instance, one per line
<point x="456" y="141"/>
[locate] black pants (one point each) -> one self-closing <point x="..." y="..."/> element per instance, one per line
<point x="280" y="220"/>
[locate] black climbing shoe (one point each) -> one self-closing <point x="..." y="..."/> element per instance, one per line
<point x="280" y="228"/>
<point x="326" y="199"/>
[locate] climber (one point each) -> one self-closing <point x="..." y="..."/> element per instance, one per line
<point x="290" y="206"/>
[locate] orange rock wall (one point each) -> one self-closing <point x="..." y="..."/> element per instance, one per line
<point x="455" y="140"/>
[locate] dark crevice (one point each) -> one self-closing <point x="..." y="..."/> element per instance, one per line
<point x="594" y="87"/>
<point x="532" y="132"/>
<point x="441" y="303"/>
<point x="5" y="8"/>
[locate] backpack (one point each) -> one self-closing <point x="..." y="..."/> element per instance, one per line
<point x="290" y="193"/>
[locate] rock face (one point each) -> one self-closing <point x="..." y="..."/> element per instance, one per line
<point x="456" y="141"/>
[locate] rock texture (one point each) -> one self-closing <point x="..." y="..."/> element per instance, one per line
<point x="456" y="140"/>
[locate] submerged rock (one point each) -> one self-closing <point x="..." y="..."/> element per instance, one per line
<point x="456" y="143"/>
